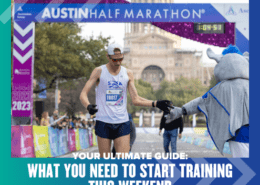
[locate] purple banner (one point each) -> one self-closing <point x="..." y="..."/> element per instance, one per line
<point x="72" y="140"/>
<point x="90" y="137"/>
<point x="15" y="141"/>
<point x="22" y="142"/>
<point x="23" y="56"/>
<point x="27" y="146"/>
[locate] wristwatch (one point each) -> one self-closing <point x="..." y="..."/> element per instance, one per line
<point x="184" y="112"/>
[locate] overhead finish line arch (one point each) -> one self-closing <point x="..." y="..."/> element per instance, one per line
<point x="178" y="19"/>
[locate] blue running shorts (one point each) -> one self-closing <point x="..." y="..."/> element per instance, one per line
<point x="112" y="131"/>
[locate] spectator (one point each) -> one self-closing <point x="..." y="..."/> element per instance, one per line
<point x="170" y="133"/>
<point x="64" y="124"/>
<point x="56" y="118"/>
<point x="36" y="121"/>
<point x="67" y="120"/>
<point x="45" y="119"/>
<point x="56" y="112"/>
<point x="77" y="123"/>
<point x="59" y="125"/>
<point x="89" y="123"/>
<point x="73" y="123"/>
<point x="84" y="124"/>
<point x="53" y="118"/>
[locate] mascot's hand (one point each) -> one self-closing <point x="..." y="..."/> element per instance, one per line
<point x="174" y="114"/>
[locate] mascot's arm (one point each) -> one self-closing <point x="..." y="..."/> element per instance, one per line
<point x="192" y="106"/>
<point x="187" y="109"/>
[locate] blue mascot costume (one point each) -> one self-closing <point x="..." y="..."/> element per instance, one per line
<point x="226" y="105"/>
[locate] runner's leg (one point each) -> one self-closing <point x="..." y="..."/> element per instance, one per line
<point x="104" y="146"/>
<point x="122" y="144"/>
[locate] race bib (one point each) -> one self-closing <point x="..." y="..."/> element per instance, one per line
<point x="114" y="97"/>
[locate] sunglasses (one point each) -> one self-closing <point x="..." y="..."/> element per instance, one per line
<point x="115" y="60"/>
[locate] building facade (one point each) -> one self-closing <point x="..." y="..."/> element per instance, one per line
<point x="153" y="57"/>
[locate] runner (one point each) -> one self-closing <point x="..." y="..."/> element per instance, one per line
<point x="112" y="121"/>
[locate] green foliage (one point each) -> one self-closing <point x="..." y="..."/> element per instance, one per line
<point x="144" y="90"/>
<point x="181" y="91"/>
<point x="59" y="50"/>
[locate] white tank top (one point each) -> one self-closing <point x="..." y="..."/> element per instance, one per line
<point x="111" y="96"/>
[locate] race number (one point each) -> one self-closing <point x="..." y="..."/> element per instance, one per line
<point x="114" y="97"/>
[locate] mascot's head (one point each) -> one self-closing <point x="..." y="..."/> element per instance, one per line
<point x="231" y="64"/>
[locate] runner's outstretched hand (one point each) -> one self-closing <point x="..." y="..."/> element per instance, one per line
<point x="92" y="109"/>
<point x="164" y="105"/>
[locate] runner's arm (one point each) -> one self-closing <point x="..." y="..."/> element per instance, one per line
<point x="136" y="99"/>
<point x="95" y="75"/>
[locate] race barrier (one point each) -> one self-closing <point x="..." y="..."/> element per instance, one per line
<point x="94" y="138"/>
<point x="44" y="142"/>
<point x="202" y="142"/>
<point x="22" y="142"/>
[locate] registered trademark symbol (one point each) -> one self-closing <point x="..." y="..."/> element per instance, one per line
<point x="203" y="11"/>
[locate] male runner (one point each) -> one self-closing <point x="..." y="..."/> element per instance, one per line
<point x="112" y="121"/>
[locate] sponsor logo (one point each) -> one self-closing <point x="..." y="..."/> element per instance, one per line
<point x="20" y="9"/>
<point x="22" y="71"/>
<point x="114" y="84"/>
<point x="243" y="10"/>
<point x="231" y="11"/>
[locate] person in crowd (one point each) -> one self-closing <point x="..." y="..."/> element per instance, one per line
<point x="67" y="120"/>
<point x="45" y="119"/>
<point x="36" y="121"/>
<point x="59" y="124"/>
<point x="73" y="123"/>
<point x="56" y="112"/>
<point x="84" y="124"/>
<point x="89" y="123"/>
<point x="64" y="123"/>
<point x="53" y="118"/>
<point x="170" y="133"/>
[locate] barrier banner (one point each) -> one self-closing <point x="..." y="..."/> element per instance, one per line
<point x="27" y="147"/>
<point x="54" y="141"/>
<point x="15" y="141"/>
<point x="94" y="138"/>
<point x="71" y="140"/>
<point x="77" y="139"/>
<point x="90" y="137"/>
<point x="82" y="139"/>
<point x="63" y="145"/>
<point x="41" y="142"/>
<point x="86" y="137"/>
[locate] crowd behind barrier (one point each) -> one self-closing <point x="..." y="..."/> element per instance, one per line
<point x="44" y="142"/>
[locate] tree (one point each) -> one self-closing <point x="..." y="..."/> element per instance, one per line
<point x="181" y="91"/>
<point x="70" y="102"/>
<point x="60" y="52"/>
